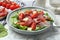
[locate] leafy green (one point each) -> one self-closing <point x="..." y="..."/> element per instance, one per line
<point x="20" y="27"/>
<point x="46" y="14"/>
<point x="14" y="20"/>
<point x="3" y="31"/>
<point x="16" y="25"/>
<point x="39" y="28"/>
<point x="23" y="27"/>
<point x="51" y="20"/>
<point x="15" y="16"/>
<point x="1" y="28"/>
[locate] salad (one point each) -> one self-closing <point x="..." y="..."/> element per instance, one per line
<point x="31" y="20"/>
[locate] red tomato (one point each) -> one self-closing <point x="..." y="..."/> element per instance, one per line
<point x="12" y="7"/>
<point x="17" y="6"/>
<point x="33" y="26"/>
<point x="23" y="23"/>
<point x="21" y="16"/>
<point x="4" y="4"/>
<point x="7" y="6"/>
<point x="41" y="12"/>
<point x="0" y="3"/>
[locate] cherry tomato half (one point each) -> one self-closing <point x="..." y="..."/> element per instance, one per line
<point x="4" y="4"/>
<point x="8" y="6"/>
<point x="12" y="7"/>
<point x="21" y="16"/>
<point x="0" y="3"/>
<point x="17" y="6"/>
<point x="33" y="26"/>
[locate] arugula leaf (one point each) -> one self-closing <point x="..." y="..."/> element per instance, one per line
<point x="14" y="20"/>
<point x="46" y="14"/>
<point x="16" y="25"/>
<point x="1" y="28"/>
<point x="3" y="33"/>
<point x="20" y="27"/>
<point x="39" y="28"/>
<point x="15" y="16"/>
<point x="23" y="27"/>
<point x="51" y="20"/>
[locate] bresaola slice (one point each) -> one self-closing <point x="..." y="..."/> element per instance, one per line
<point x="41" y="17"/>
<point x="37" y="20"/>
<point x="28" y="20"/>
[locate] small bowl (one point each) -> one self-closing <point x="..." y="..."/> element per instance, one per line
<point x="25" y="31"/>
